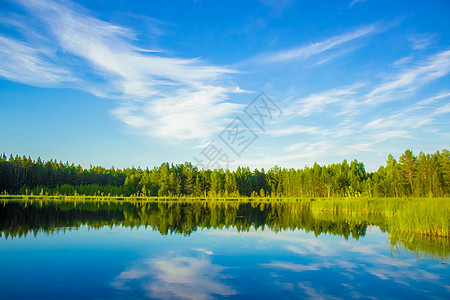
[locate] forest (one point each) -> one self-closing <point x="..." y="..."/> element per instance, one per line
<point x="425" y="175"/>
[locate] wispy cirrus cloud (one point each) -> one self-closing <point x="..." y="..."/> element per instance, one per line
<point x="410" y="79"/>
<point x="425" y="103"/>
<point x="349" y="125"/>
<point x="317" y="102"/>
<point x="355" y="98"/>
<point x="109" y="51"/>
<point x="357" y="136"/>
<point x="295" y="129"/>
<point x="304" y="52"/>
<point x="422" y="41"/>
<point x="159" y="94"/>
<point x="26" y="64"/>
<point x="354" y="2"/>
<point x="277" y="6"/>
<point x="442" y="110"/>
<point x="402" y="61"/>
<point x="169" y="97"/>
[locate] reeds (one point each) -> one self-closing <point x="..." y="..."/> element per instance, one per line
<point x="424" y="216"/>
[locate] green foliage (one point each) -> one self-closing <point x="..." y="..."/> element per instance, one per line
<point x="427" y="175"/>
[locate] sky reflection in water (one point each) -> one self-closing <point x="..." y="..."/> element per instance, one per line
<point x="135" y="263"/>
<point x="104" y="263"/>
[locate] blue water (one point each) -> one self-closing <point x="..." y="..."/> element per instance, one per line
<point x="207" y="250"/>
<point x="140" y="263"/>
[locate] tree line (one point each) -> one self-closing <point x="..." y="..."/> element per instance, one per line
<point x="425" y="175"/>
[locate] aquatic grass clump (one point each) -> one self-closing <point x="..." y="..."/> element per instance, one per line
<point x="424" y="216"/>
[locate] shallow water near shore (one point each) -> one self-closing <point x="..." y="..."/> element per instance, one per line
<point x="210" y="250"/>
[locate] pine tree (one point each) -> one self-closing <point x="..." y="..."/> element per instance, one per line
<point x="407" y="169"/>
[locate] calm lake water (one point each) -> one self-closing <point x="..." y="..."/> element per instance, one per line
<point x="210" y="250"/>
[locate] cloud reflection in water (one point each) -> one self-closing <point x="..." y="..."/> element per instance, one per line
<point x="180" y="277"/>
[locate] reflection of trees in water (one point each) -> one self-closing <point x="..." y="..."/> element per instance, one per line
<point x="18" y="219"/>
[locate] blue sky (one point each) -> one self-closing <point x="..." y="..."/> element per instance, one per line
<point x="137" y="83"/>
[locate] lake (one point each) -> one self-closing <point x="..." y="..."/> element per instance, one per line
<point x="207" y="250"/>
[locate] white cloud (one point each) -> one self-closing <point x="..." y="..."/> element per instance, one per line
<point x="353" y="99"/>
<point x="26" y="64"/>
<point x="406" y="122"/>
<point x="299" y="155"/>
<point x="295" y="129"/>
<point x="382" y="136"/>
<point x="309" y="150"/>
<point x="169" y="97"/>
<point x="411" y="79"/>
<point x="187" y="98"/>
<point x="422" y="41"/>
<point x="398" y="121"/>
<point x="354" y="2"/>
<point x="277" y="6"/>
<point x="189" y="114"/>
<point x="402" y="61"/>
<point x="350" y="127"/>
<point x="317" y="102"/>
<point x="423" y="104"/>
<point x="304" y="52"/>
<point x="362" y="147"/>
<point x="445" y="109"/>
